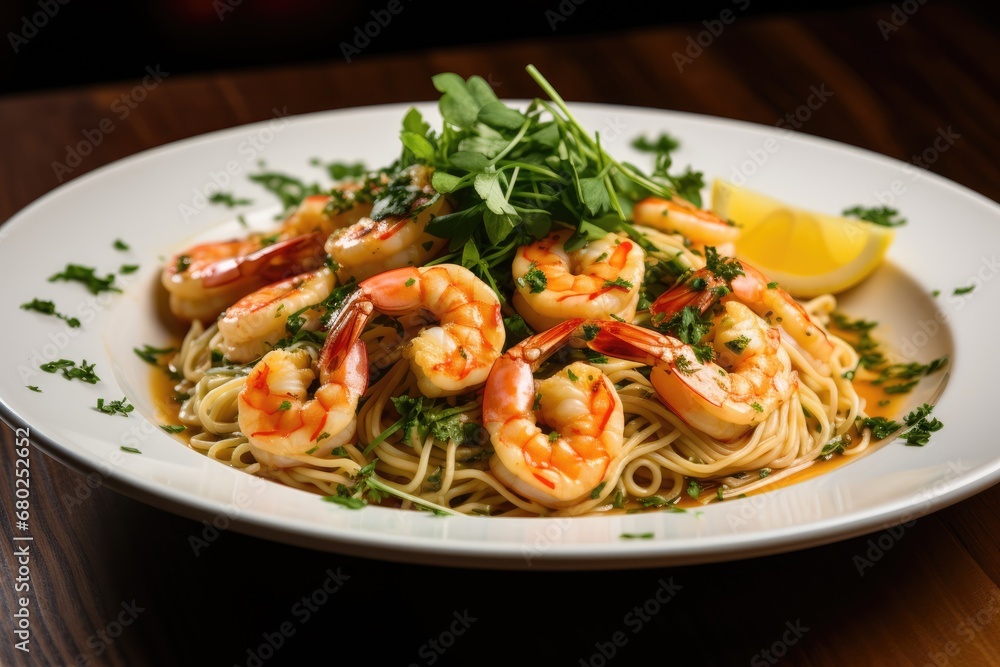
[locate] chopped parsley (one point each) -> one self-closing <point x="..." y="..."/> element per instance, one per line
<point x="130" y="450"/>
<point x="285" y="405"/>
<point x="596" y="493"/>
<point x="120" y="245"/>
<point x="737" y="345"/>
<point x="88" y="277"/>
<point x="84" y="372"/>
<point x="49" y="308"/>
<point x="690" y="327"/>
<point x="33" y="388"/>
<point x="694" y="488"/>
<point x="725" y="268"/>
<point x="618" y="282"/>
<point x="149" y="354"/>
<point x="662" y="144"/>
<point x="879" y="215"/>
<point x="836" y="445"/>
<point x="173" y="428"/>
<point x="637" y="536"/>
<point x="880" y="426"/>
<point x="227" y="199"/>
<point x="290" y="191"/>
<point x="958" y="291"/>
<point x="122" y="407"/>
<point x="590" y="331"/>
<point x="919" y="427"/>
<point x="534" y="280"/>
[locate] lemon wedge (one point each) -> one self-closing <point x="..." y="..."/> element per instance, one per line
<point x="806" y="252"/>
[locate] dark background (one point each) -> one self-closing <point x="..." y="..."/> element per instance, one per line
<point x="89" y="41"/>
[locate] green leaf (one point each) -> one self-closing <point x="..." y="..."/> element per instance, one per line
<point x="457" y="104"/>
<point x="444" y="182"/>
<point x="489" y="188"/>
<point x="459" y="223"/>
<point x="414" y="122"/>
<point x="498" y="115"/>
<point x="480" y="90"/>
<point x="470" y="255"/>
<point x="469" y="161"/>
<point x="421" y="148"/>
<point x="594" y="194"/>
<point x="485" y="140"/>
<point x="499" y="227"/>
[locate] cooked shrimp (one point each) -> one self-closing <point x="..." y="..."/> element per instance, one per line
<point x="324" y="215"/>
<point x="682" y="217"/>
<point x="278" y="418"/>
<point x="752" y="378"/>
<point x="453" y="355"/>
<point x="251" y="326"/>
<point x="578" y="403"/>
<point x="203" y="280"/>
<point x="703" y="288"/>
<point x="389" y="241"/>
<point x="598" y="281"/>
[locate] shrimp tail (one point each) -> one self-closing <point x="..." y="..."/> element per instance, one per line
<point x="634" y="343"/>
<point x="351" y="369"/>
<point x="511" y="377"/>
<point x="345" y="329"/>
<point x="626" y="341"/>
<point x="284" y="258"/>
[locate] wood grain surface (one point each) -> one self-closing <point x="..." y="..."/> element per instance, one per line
<point x="117" y="582"/>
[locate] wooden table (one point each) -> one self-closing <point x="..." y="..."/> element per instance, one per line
<point x="115" y="582"/>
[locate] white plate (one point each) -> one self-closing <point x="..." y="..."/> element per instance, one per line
<point x="154" y="201"/>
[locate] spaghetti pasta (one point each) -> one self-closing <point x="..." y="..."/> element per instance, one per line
<point x="421" y="437"/>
